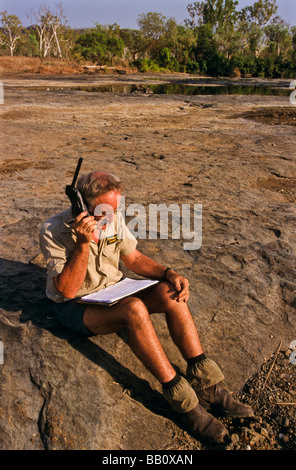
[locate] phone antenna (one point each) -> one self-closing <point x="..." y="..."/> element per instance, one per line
<point x="76" y="171"/>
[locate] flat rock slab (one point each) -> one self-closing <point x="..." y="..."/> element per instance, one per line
<point x="60" y="391"/>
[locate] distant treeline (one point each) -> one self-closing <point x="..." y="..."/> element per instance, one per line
<point x="216" y="39"/>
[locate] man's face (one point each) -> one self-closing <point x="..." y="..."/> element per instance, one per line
<point x="105" y="206"/>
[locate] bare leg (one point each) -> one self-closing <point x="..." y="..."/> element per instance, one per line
<point x="132" y="314"/>
<point x="160" y="298"/>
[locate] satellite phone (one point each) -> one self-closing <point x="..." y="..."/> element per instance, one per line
<point x="77" y="202"/>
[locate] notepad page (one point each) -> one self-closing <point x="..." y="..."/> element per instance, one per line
<point x="122" y="289"/>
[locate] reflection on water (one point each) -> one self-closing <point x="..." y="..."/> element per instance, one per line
<point x="219" y="90"/>
<point x="174" y="89"/>
<point x="177" y="89"/>
<point x="115" y="88"/>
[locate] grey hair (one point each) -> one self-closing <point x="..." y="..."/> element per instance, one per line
<point x="96" y="183"/>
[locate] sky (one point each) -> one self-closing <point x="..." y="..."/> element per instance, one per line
<point x="86" y="13"/>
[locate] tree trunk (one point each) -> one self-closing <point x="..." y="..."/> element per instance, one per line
<point x="58" y="44"/>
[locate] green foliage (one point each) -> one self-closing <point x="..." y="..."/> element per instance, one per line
<point x="146" y="65"/>
<point x="29" y="46"/>
<point x="134" y="41"/>
<point x="99" y="45"/>
<point x="215" y="13"/>
<point x="217" y="39"/>
<point x="193" y="67"/>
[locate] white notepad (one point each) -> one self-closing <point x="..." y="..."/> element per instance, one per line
<point x="111" y="294"/>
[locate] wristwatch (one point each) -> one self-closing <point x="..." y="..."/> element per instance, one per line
<point x="164" y="274"/>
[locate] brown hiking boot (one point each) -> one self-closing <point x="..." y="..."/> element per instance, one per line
<point x="204" y="425"/>
<point x="181" y="396"/>
<point x="218" y="399"/>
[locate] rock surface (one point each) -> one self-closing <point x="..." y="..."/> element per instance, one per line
<point x="61" y="391"/>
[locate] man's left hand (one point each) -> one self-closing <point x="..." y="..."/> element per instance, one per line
<point x="180" y="284"/>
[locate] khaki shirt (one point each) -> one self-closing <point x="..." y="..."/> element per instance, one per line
<point x="57" y="240"/>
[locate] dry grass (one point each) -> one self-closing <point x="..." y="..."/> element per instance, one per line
<point x="10" y="65"/>
<point x="54" y="66"/>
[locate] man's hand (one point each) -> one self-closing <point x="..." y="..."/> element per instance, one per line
<point x="146" y="267"/>
<point x="84" y="226"/>
<point x="180" y="284"/>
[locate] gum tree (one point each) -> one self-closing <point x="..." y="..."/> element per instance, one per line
<point x="252" y="23"/>
<point x="153" y="27"/>
<point x="48" y="26"/>
<point x="279" y="37"/>
<point x="220" y="16"/>
<point x="11" y="32"/>
<point x="134" y="41"/>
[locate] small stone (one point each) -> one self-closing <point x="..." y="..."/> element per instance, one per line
<point x="256" y="438"/>
<point x="283" y="437"/>
<point x="229" y="447"/>
<point x="234" y="438"/>
<point x="264" y="433"/>
<point x="278" y="419"/>
<point x="286" y="422"/>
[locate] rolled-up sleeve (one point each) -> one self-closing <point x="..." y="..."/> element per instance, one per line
<point x="53" y="252"/>
<point x="127" y="240"/>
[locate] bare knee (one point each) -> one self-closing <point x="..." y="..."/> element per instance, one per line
<point x="135" y="311"/>
<point x="164" y="295"/>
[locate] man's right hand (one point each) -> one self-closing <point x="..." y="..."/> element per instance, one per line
<point x="84" y="226"/>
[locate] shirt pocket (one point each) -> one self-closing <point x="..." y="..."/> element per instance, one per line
<point x="111" y="249"/>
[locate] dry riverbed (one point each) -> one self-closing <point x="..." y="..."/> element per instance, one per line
<point x="234" y="155"/>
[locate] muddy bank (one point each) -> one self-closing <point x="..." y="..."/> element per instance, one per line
<point x="206" y="150"/>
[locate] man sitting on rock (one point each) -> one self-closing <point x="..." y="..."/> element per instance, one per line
<point x="80" y="261"/>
